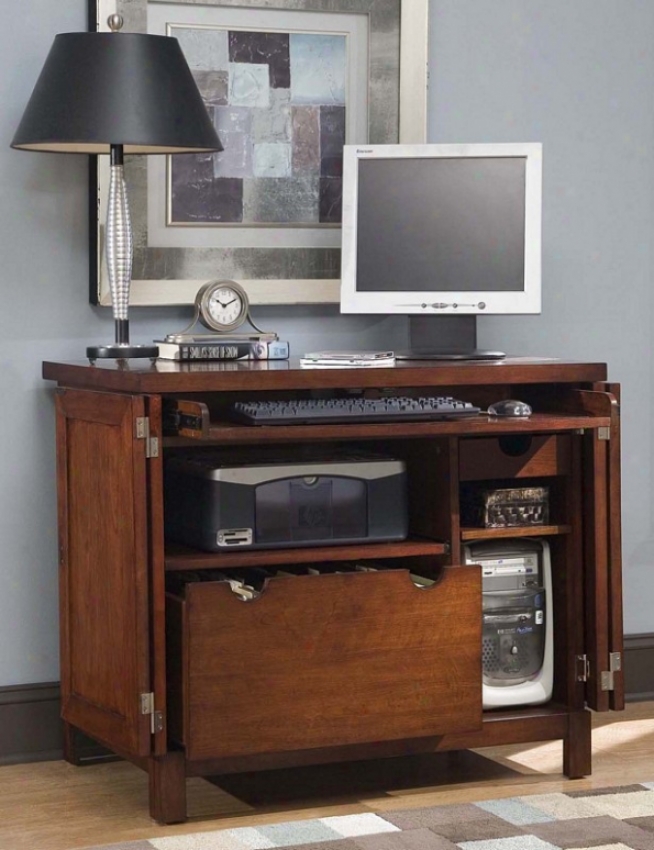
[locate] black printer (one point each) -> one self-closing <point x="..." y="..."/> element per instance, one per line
<point x="214" y="504"/>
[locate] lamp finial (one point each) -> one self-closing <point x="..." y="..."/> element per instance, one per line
<point x="115" y="22"/>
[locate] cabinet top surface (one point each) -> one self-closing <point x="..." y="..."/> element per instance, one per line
<point x="213" y="376"/>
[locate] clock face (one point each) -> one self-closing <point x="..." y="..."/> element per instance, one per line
<point x="223" y="305"/>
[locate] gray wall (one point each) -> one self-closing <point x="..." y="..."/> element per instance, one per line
<point x="574" y="76"/>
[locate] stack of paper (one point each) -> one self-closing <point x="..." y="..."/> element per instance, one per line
<point x="343" y="359"/>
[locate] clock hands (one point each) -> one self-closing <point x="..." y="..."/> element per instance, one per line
<point x="226" y="303"/>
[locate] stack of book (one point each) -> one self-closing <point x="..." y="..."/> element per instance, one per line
<point x="217" y="347"/>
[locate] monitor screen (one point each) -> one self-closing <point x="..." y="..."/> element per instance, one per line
<point x="441" y="229"/>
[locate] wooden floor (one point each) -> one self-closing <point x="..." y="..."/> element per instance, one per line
<point x="54" y="806"/>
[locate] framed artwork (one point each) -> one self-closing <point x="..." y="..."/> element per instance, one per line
<point x="286" y="83"/>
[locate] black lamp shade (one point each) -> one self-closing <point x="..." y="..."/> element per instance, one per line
<point x="103" y="89"/>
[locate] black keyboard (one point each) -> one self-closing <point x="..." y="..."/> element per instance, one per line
<point x="315" y="411"/>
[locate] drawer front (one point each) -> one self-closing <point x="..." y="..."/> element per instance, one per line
<point x="330" y="660"/>
<point x="515" y="456"/>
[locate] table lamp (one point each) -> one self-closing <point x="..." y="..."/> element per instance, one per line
<point x="116" y="93"/>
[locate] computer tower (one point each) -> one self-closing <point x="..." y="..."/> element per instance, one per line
<point x="517" y="651"/>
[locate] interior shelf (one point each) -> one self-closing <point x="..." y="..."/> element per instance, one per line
<point x="184" y="558"/>
<point x="513" y="531"/>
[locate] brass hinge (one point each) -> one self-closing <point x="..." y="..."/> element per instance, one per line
<point x="583" y="668"/>
<point x="156" y="717"/>
<point x="604" y="433"/>
<point x="607" y="680"/>
<point x="143" y="433"/>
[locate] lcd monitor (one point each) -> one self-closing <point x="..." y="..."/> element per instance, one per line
<point x="442" y="230"/>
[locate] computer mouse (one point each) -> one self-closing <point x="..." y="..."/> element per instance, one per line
<point x="510" y="407"/>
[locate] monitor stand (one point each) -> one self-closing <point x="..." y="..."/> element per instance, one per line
<point x="445" y="338"/>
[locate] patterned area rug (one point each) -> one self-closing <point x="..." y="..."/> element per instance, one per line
<point x="618" y="818"/>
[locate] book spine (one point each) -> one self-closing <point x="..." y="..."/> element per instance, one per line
<point x="240" y="350"/>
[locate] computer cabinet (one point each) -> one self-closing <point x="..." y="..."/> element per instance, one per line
<point x="188" y="680"/>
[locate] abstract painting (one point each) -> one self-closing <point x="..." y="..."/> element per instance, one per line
<point x="287" y="83"/>
<point x="278" y="103"/>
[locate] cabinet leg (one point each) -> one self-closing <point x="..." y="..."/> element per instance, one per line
<point x="577" y="749"/>
<point x="168" y="788"/>
<point x="70" y="741"/>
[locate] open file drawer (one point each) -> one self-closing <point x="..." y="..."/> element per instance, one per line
<point x="323" y="660"/>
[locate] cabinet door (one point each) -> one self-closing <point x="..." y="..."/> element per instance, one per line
<point x="602" y="554"/>
<point x="103" y="557"/>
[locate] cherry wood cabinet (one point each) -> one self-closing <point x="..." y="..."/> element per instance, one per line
<point x="184" y="679"/>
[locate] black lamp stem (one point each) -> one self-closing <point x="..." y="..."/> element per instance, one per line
<point x="122" y="331"/>
<point x="116" y="154"/>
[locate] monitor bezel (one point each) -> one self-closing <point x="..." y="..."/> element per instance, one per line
<point x="435" y="302"/>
